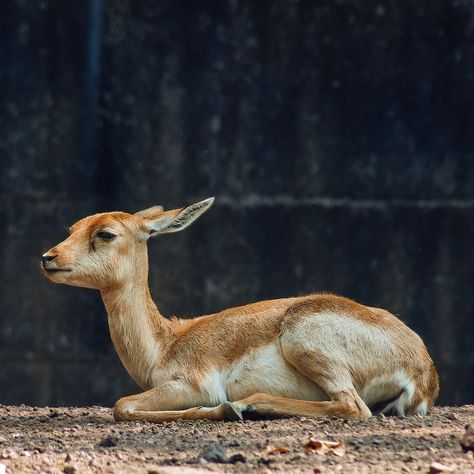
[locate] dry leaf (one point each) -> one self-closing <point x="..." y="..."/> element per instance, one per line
<point x="281" y="450"/>
<point x="339" y="450"/>
<point x="323" y="447"/>
<point x="269" y="450"/>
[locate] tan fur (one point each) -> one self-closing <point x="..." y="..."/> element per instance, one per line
<point x="317" y="355"/>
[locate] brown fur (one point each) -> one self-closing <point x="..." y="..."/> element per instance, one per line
<point x="261" y="322"/>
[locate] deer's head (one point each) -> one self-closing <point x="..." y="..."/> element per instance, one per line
<point x="103" y="250"/>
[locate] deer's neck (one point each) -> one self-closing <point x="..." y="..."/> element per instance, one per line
<point x="139" y="332"/>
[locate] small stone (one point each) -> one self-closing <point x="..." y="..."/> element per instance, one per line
<point x="68" y="458"/>
<point x="239" y="457"/>
<point x="69" y="470"/>
<point x="265" y="461"/>
<point x="9" y="454"/>
<point x="452" y="417"/>
<point x="214" y="453"/>
<point x="467" y="441"/>
<point x="53" y="414"/>
<point x="438" y="467"/>
<point x="108" y="442"/>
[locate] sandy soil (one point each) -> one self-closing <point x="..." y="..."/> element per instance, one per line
<point x="76" y="440"/>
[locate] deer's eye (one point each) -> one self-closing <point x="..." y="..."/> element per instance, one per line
<point x="104" y="235"/>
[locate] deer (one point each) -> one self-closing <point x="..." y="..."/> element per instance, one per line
<point x="319" y="355"/>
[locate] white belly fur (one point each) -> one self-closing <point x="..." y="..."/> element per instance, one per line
<point x="262" y="370"/>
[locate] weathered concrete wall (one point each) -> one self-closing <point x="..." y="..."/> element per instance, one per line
<point x="336" y="137"/>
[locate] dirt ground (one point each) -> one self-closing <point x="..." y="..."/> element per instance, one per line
<point x="76" y="440"/>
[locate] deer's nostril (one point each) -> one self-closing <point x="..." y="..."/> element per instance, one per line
<point x="48" y="258"/>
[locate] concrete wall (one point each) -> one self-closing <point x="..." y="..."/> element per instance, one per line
<point x="337" y="138"/>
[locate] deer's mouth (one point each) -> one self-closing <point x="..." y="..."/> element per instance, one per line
<point x="56" y="270"/>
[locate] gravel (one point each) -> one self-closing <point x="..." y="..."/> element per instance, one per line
<point x="87" y="440"/>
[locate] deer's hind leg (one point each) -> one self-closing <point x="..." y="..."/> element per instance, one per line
<point x="345" y="404"/>
<point x="321" y="363"/>
<point x="329" y="374"/>
<point x="333" y="377"/>
<point x="326" y="371"/>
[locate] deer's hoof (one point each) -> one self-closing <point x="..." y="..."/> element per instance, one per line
<point x="232" y="412"/>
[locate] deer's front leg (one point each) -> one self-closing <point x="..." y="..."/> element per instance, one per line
<point x="174" y="401"/>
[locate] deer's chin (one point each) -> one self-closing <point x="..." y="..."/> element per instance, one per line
<point x="67" y="277"/>
<point x="56" y="275"/>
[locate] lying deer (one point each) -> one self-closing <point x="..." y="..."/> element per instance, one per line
<point x="316" y="355"/>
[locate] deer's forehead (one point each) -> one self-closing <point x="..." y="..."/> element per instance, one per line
<point x="114" y="220"/>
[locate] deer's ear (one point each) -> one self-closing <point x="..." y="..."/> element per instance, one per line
<point x="175" y="220"/>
